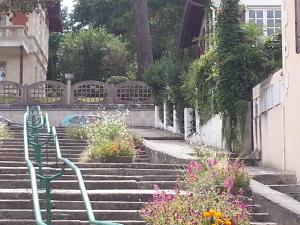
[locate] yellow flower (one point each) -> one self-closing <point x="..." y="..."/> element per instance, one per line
<point x="212" y="212"/>
<point x="227" y="222"/>
<point x="218" y="215"/>
<point x="206" y="214"/>
<point x="219" y="221"/>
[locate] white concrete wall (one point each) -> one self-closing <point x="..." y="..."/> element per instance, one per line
<point x="134" y="118"/>
<point x="268" y="121"/>
<point x="209" y="134"/>
<point x="292" y="90"/>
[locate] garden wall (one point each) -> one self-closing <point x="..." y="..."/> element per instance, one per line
<point x="135" y="117"/>
<point x="209" y="134"/>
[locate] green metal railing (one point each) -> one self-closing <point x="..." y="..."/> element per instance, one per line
<point x="35" y="124"/>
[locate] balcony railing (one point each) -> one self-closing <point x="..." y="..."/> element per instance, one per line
<point x="14" y="36"/>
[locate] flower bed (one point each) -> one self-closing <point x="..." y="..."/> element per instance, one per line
<point x="109" y="139"/>
<point x="215" y="195"/>
<point x="4" y="133"/>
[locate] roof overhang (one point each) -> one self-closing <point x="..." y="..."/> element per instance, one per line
<point x="192" y="22"/>
<point x="55" y="19"/>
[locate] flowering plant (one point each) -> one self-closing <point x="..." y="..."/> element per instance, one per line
<point x="4" y="132"/>
<point x="76" y="133"/>
<point x="213" y="196"/>
<point x="110" y="137"/>
<point x="186" y="208"/>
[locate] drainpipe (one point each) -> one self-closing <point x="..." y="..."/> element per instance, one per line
<point x="21" y="64"/>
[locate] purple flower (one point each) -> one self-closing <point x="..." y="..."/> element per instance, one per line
<point x="228" y="183"/>
<point x="211" y="162"/>
<point x="194" y="167"/>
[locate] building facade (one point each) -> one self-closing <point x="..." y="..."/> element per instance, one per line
<point x="24" y="44"/>
<point x="276" y="100"/>
<point x="265" y="13"/>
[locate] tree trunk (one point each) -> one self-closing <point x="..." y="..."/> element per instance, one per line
<point x="142" y="35"/>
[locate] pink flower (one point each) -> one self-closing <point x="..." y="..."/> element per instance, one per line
<point x="228" y="183"/>
<point x="211" y="162"/>
<point x="194" y="167"/>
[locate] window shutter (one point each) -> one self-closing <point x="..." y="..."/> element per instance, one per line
<point x="297" y="7"/>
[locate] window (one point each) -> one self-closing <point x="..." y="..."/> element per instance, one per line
<point x="269" y="19"/>
<point x="2" y="20"/>
<point x="273" y="22"/>
<point x="2" y="71"/>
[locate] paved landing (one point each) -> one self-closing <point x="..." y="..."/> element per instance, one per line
<point x="156" y="134"/>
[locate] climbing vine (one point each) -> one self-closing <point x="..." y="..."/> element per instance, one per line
<point x="200" y="86"/>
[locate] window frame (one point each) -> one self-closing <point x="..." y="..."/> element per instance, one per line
<point x="265" y="16"/>
<point x="4" y="64"/>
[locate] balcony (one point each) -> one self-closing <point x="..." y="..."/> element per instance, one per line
<point x="15" y="36"/>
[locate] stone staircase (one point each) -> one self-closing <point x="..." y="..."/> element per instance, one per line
<point x="117" y="191"/>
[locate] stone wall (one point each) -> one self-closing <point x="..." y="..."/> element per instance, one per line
<point x="138" y="118"/>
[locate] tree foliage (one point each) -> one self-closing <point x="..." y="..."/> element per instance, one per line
<point x="117" y="16"/>
<point x="166" y="77"/>
<point x="92" y="54"/>
<point x="27" y="6"/>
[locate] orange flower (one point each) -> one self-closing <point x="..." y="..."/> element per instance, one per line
<point x="227" y="222"/>
<point x="206" y="214"/>
<point x="212" y="212"/>
<point x="218" y="215"/>
<point x="219" y="221"/>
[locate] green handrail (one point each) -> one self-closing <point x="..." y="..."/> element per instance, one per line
<point x="84" y="194"/>
<point x="44" y="124"/>
<point x="31" y="169"/>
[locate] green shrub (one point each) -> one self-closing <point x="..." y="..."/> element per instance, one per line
<point x="76" y="133"/>
<point x="116" y="80"/>
<point x="110" y="137"/>
<point x="4" y="134"/>
<point x="111" y="148"/>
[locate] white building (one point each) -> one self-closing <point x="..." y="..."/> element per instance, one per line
<point x="24" y="44"/>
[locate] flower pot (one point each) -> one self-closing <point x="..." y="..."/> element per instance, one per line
<point x="112" y="159"/>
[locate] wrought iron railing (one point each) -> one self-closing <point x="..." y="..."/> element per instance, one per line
<point x="35" y="124"/>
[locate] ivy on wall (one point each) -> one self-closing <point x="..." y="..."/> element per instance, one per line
<point x="221" y="80"/>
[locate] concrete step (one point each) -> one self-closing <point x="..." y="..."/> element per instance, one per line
<point x="62" y="140"/>
<point x="260" y="217"/>
<point x="73" y="205"/>
<point x="20" y="147"/>
<point x="74" y="195"/>
<point x="286" y="188"/>
<point x="100" y="177"/>
<point x="106" y="165"/>
<point x="100" y="171"/>
<point x="72" y="214"/>
<point x="94" y="184"/>
<point x="21" y="159"/>
<point x="66" y="222"/>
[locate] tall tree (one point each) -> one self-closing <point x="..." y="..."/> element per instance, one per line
<point x="92" y="54"/>
<point x="118" y="17"/>
<point x="142" y="35"/>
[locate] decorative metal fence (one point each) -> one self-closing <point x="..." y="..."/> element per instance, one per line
<point x="82" y="93"/>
